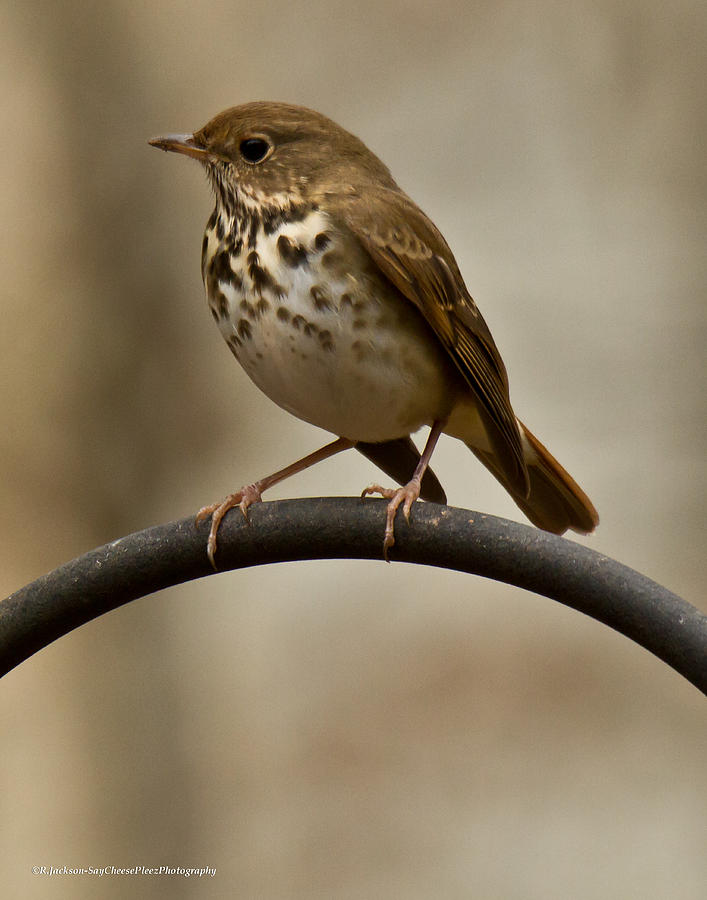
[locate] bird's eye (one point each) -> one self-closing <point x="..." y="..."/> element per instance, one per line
<point x="255" y="150"/>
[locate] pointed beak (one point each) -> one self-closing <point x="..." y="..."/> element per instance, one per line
<point x="181" y="143"/>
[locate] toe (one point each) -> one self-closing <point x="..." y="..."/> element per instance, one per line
<point x="405" y="497"/>
<point x="217" y="511"/>
<point x="389" y="537"/>
<point x="205" y="512"/>
<point x="211" y="548"/>
<point x="410" y="497"/>
<point x="386" y="493"/>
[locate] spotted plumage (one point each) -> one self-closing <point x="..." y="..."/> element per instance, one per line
<point x="281" y="283"/>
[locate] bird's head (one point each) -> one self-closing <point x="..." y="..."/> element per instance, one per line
<point x="268" y="152"/>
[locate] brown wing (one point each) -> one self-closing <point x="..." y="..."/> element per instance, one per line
<point x="413" y="255"/>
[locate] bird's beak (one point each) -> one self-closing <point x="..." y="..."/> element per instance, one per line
<point x="181" y="143"/>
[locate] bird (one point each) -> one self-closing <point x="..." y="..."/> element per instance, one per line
<point x="344" y="304"/>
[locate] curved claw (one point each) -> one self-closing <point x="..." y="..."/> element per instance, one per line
<point x="387" y="493"/>
<point x="205" y="512"/>
<point x="242" y="499"/>
<point x="406" y="496"/>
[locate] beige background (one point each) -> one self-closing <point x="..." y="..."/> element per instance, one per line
<point x="346" y="729"/>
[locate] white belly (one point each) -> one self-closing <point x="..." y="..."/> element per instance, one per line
<point x="326" y="347"/>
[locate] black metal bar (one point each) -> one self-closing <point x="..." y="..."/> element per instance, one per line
<point x="336" y="528"/>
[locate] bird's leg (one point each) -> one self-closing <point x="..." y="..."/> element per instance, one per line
<point x="408" y="494"/>
<point x="252" y="493"/>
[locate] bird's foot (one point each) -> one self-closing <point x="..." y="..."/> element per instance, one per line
<point x="406" y="496"/>
<point x="244" y="498"/>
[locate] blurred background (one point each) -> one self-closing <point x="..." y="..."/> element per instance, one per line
<point x="344" y="729"/>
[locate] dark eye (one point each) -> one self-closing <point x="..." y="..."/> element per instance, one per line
<point x="254" y="150"/>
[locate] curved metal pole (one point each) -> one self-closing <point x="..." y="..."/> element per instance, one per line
<point x="346" y="528"/>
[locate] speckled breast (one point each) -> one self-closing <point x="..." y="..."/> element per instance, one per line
<point x="319" y="330"/>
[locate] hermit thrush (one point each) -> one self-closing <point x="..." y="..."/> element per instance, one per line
<point x="345" y="305"/>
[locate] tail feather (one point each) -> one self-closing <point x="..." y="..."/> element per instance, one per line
<point x="555" y="501"/>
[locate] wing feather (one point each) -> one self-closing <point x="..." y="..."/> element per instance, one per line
<point x="411" y="253"/>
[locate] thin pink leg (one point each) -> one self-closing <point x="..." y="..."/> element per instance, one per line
<point x="252" y="493"/>
<point x="408" y="494"/>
